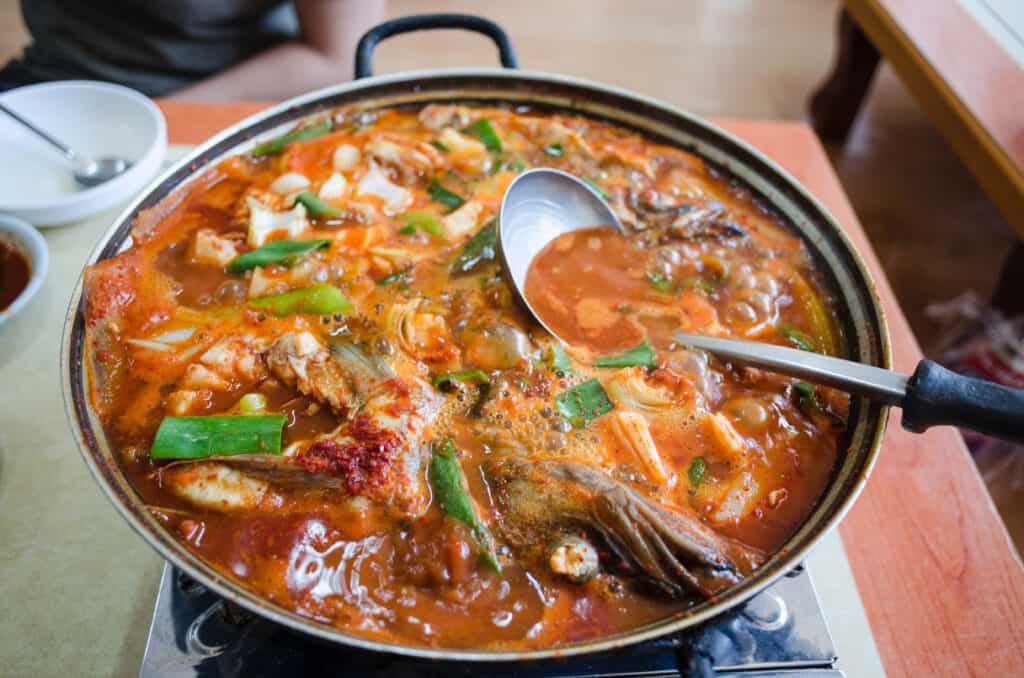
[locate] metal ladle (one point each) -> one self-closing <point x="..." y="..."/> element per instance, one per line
<point x="88" y="172"/>
<point x="542" y="204"/>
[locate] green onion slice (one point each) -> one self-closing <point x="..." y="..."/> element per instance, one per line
<point x="806" y="398"/>
<point x="202" y="437"/>
<point x="600" y="191"/>
<point x="659" y="281"/>
<point x="439" y="193"/>
<point x="316" y="207"/>
<point x="449" y="486"/>
<point x="426" y="222"/>
<point x="483" y="246"/>
<point x="484" y="131"/>
<point x="797" y="338"/>
<point x="554" y="150"/>
<point x="440" y="145"/>
<point x="642" y="355"/>
<point x="317" y="300"/>
<point x="560" y="359"/>
<point x="278" y="144"/>
<point x="696" y="471"/>
<point x="393" y="278"/>
<point x="584" y="402"/>
<point x="440" y="380"/>
<point x="274" y="252"/>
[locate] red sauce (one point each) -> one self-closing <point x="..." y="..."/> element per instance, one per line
<point x="14" y="274"/>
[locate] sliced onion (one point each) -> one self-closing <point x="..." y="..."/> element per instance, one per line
<point x="289" y="182"/>
<point x="176" y="336"/>
<point x="346" y="157"/>
<point x="334" y="187"/>
<point x="152" y="345"/>
<point x="395" y="198"/>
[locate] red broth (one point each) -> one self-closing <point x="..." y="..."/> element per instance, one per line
<point x="15" y="274"/>
<point x="173" y="331"/>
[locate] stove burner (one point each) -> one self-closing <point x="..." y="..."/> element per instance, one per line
<point x="780" y="633"/>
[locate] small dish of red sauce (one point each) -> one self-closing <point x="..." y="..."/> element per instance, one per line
<point x="24" y="259"/>
<point x="15" y="274"/>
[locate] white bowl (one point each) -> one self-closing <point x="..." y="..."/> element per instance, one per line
<point x="30" y="244"/>
<point x="95" y="119"/>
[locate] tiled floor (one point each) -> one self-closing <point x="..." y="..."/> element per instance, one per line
<point x="935" y="231"/>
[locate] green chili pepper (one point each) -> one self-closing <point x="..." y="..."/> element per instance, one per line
<point x="449" y="486"/>
<point x="426" y="222"/>
<point x="316" y="207"/>
<point x="273" y="252"/>
<point x="439" y="193"/>
<point x="440" y="145"/>
<point x="641" y="354"/>
<point x="408" y="229"/>
<point x="202" y="437"/>
<point x="584" y="402"/>
<point x="317" y="300"/>
<point x="278" y="144"/>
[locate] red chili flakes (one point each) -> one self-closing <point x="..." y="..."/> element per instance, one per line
<point x="366" y="461"/>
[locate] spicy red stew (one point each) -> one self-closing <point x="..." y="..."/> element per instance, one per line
<point x="315" y="376"/>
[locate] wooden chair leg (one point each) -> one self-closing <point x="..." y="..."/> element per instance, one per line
<point x="834" y="106"/>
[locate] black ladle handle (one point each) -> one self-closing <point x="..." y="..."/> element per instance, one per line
<point x="422" y="22"/>
<point x="937" y="396"/>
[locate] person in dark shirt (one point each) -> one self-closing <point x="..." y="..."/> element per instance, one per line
<point x="197" y="49"/>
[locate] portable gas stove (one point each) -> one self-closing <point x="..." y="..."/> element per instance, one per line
<point x="781" y="633"/>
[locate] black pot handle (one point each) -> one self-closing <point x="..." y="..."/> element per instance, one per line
<point x="936" y="396"/>
<point x="422" y="22"/>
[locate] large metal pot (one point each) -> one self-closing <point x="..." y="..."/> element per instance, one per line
<point x="861" y="316"/>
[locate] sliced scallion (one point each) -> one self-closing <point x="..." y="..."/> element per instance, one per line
<point x="584" y="402"/>
<point x="642" y="355"/>
<point x="278" y="144"/>
<point x="202" y="437"/>
<point x="797" y="338"/>
<point x="440" y="380"/>
<point x="316" y="300"/>
<point x="274" y="252"/>
<point x="483" y="246"/>
<point x="439" y="193"/>
<point x="696" y="471"/>
<point x="484" y="131"/>
<point x="426" y="222"/>
<point x="316" y="207"/>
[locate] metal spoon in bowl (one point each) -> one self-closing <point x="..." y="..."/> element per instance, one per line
<point x="543" y="203"/>
<point x="88" y="172"/>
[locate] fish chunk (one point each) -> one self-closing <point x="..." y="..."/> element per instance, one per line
<point x="232" y="360"/>
<point x="302" y="362"/>
<point x="540" y="502"/>
<point x="215" y="485"/>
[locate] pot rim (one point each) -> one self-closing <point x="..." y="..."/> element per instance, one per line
<point x="175" y="553"/>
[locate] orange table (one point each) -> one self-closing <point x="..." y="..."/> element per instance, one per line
<point x="941" y="583"/>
